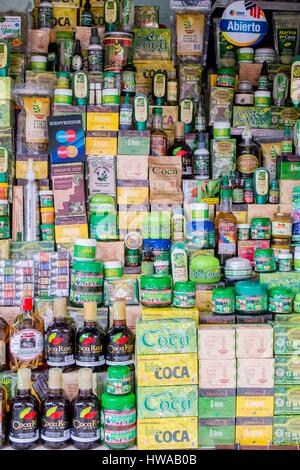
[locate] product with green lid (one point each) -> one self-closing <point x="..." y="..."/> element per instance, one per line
<point x="86" y="282"/>
<point x="223" y="301"/>
<point x="226" y="77"/>
<point x="280" y="300"/>
<point x="156" y="291"/>
<point x="113" y="270"/>
<point x="118" y="420"/>
<point x="250" y="298"/>
<point x="264" y="260"/>
<point x="297" y="303"/>
<point x="118" y="380"/>
<point x="260" y="228"/>
<point x="204" y="269"/>
<point x="184" y="294"/>
<point x="284" y="262"/>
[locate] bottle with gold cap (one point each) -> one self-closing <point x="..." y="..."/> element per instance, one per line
<point x="85" y="430"/>
<point x="55" y="413"/>
<point x="24" y="418"/>
<point x="90" y="340"/>
<point x="120" y="340"/>
<point x="60" y="337"/>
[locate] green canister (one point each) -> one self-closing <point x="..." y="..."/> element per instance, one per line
<point x="156" y="291"/>
<point x="264" y="260"/>
<point x="297" y="303"/>
<point x="184" y="294"/>
<point x="261" y="228"/>
<point x="204" y="269"/>
<point x="223" y="301"/>
<point x="118" y="380"/>
<point x="118" y="420"/>
<point x="280" y="300"/>
<point x="86" y="282"/>
<point x="250" y="298"/>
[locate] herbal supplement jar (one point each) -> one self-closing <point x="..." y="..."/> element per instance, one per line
<point x="113" y="270"/>
<point x="260" y="228"/>
<point x="222" y="129"/>
<point x="245" y="54"/>
<point x="110" y="97"/>
<point x="243" y="231"/>
<point x="85" y="249"/>
<point x="86" y="282"/>
<point x="118" y="380"/>
<point x="161" y="267"/>
<point x="223" y="301"/>
<point x="204" y="269"/>
<point x="280" y="246"/>
<point x="297" y="261"/>
<point x="264" y="260"/>
<point x="132" y="257"/>
<point x="284" y="262"/>
<point x="156" y="291"/>
<point x="47" y="232"/>
<point x="46" y="198"/>
<point x="244" y="96"/>
<point x="297" y="303"/>
<point x="280" y="300"/>
<point x="109" y="80"/>
<point x="47" y="215"/>
<point x="237" y="269"/>
<point x="157" y="249"/>
<point x="184" y="294"/>
<point x="250" y="298"/>
<point x="38" y="63"/>
<point x="147" y="267"/>
<point x="262" y="98"/>
<point x="265" y="54"/>
<point x="118" y="420"/>
<point x="63" y="96"/>
<point x="226" y="77"/>
<point x="282" y="226"/>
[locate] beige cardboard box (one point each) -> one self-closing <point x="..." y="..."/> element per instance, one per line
<point x="109" y="251"/>
<point x="9" y="313"/>
<point x="204" y="300"/>
<point x="255" y="373"/>
<point x="216" y="342"/>
<point x="132" y="167"/>
<point x="261" y="210"/>
<point x="217" y="373"/>
<point x="255" y="341"/>
<point x="286" y="190"/>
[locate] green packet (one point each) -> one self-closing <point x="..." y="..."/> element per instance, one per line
<point x="123" y="288"/>
<point x="283" y="116"/>
<point x="251" y="116"/>
<point x="286" y="430"/>
<point x="151" y="43"/>
<point x="287" y="400"/>
<point x="290" y="280"/>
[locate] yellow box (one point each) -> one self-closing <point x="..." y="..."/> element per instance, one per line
<point x="145" y="70"/>
<point x="65" y="18"/>
<point x="167" y="433"/>
<point x="253" y="435"/>
<point x="69" y="233"/>
<point x="170" y="115"/>
<point x="101" y="145"/>
<point x="132" y="195"/>
<point x="167" y="369"/>
<point x="204" y="300"/>
<point x="254" y="406"/>
<point x="170" y="313"/>
<point x="102" y="121"/>
<point x="40" y="169"/>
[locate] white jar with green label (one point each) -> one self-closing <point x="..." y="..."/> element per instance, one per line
<point x="262" y="98"/>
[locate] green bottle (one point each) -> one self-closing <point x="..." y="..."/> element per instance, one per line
<point x="4" y="58"/>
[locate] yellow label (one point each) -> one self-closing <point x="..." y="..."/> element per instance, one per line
<point x="170" y="115"/>
<point x="204" y="300"/>
<point x="40" y="169"/>
<point x="69" y="233"/>
<point x="65" y="3"/>
<point x="131" y="195"/>
<point x="241" y="216"/>
<point x="167" y="433"/>
<point x="170" y="313"/>
<point x="255" y="435"/>
<point x="259" y="406"/>
<point x="37" y="110"/>
<point x="145" y="69"/>
<point x="186" y="111"/>
<point x="65" y="18"/>
<point x="101" y="145"/>
<point x="102" y="122"/>
<point x="168" y="369"/>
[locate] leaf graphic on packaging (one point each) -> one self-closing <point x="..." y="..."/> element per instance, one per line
<point x="51" y="410"/>
<point x="116" y="337"/>
<point x="85" y="411"/>
<point x="51" y="337"/>
<point x="25" y="412"/>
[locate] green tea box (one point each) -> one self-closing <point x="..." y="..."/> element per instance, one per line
<point x="133" y="142"/>
<point x="286" y="430"/>
<point x="287" y="400"/>
<point x="287" y="370"/>
<point x="216" y="432"/>
<point x="214" y="403"/>
<point x="251" y="116"/>
<point x="286" y="338"/>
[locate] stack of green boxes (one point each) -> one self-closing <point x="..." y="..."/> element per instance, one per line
<point x="286" y="428"/>
<point x="167" y="384"/>
<point x="217" y="385"/>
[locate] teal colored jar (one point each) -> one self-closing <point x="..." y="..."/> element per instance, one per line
<point x="204" y="269"/>
<point x="156" y="291"/>
<point x="223" y="301"/>
<point x="280" y="300"/>
<point x="264" y="260"/>
<point x="118" y="420"/>
<point x="184" y="294"/>
<point x="250" y="298"/>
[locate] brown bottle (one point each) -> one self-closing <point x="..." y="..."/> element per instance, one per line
<point x="158" y="139"/>
<point x="4" y="337"/>
<point x="225" y="226"/>
<point x="120" y="340"/>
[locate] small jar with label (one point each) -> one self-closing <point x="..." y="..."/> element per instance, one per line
<point x="250" y="298"/>
<point x="244" y="96"/>
<point x="262" y="98"/>
<point x="297" y="303"/>
<point x="237" y="269"/>
<point x="274" y="193"/>
<point x="222" y="130"/>
<point x="265" y="54"/>
<point x="280" y="300"/>
<point x="156" y="291"/>
<point x="4" y="207"/>
<point x="132" y="257"/>
<point x="226" y="77"/>
<point x="282" y="226"/>
<point x="264" y="260"/>
<point x="113" y="270"/>
<point x="243" y="231"/>
<point x="260" y="228"/>
<point x="297" y="261"/>
<point x="118" y="420"/>
<point x="284" y="262"/>
<point x="184" y="294"/>
<point x="223" y="301"/>
<point x="280" y="247"/>
<point x="245" y="55"/>
<point x="118" y="380"/>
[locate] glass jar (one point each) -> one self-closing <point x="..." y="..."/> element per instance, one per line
<point x="244" y="96"/>
<point x="156" y="249"/>
<point x="118" y="420"/>
<point x="113" y="270"/>
<point x="264" y="260"/>
<point x="284" y="262"/>
<point x="156" y="291"/>
<point x="280" y="300"/>
<point x="282" y="226"/>
<point x="245" y="54"/>
<point x="184" y="294"/>
<point x="280" y="246"/>
<point x="223" y="301"/>
<point x="260" y="228"/>
<point x="250" y="298"/>
<point x="243" y="231"/>
<point x="132" y="257"/>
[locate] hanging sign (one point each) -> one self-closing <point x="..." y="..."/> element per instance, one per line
<point x="244" y="24"/>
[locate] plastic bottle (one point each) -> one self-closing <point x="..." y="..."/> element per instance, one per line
<point x="126" y="112"/>
<point x="201" y="159"/>
<point x="4" y="58"/>
<point x="31" y="206"/>
<point x="77" y="59"/>
<point x="45" y="15"/>
<point x="295" y="82"/>
<point x="95" y="53"/>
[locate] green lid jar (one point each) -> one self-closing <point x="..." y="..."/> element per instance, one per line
<point x="86" y="282"/>
<point x="264" y="260"/>
<point x="118" y="380"/>
<point x="226" y="77"/>
<point x="88" y="266"/>
<point x="250" y="298"/>
<point x="156" y="291"/>
<point x="118" y="420"/>
<point x="280" y="300"/>
<point x="223" y="301"/>
<point x="132" y="257"/>
<point x="297" y="303"/>
<point x="260" y="228"/>
<point x="184" y="294"/>
<point x="204" y="269"/>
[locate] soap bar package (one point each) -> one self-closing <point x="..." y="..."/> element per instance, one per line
<point x="217" y="373"/>
<point x="255" y="341"/>
<point x="216" y="342"/>
<point x="287" y="338"/>
<point x="255" y="373"/>
<point x="102" y="174"/>
<point x="215" y="432"/>
<point x="133" y="167"/>
<point x="127" y="289"/>
<point x="251" y="116"/>
<point x="133" y="142"/>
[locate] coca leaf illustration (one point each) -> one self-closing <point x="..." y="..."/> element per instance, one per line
<point x="116" y="337"/>
<point x="52" y="337"/>
<point x="57" y="415"/>
<point x="122" y="340"/>
<point x="57" y="340"/>
<point x="85" y="411"/>
<point x="30" y="415"/>
<point x="51" y="411"/>
<point x="25" y="412"/>
<point x="91" y="415"/>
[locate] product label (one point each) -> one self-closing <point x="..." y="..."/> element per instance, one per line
<point x="159" y="85"/>
<point x="190" y="33"/>
<point x="85" y="423"/>
<point x="120" y="437"/>
<point x="60" y="349"/>
<point x="11" y="30"/>
<point x="120" y="349"/>
<point x="27" y="344"/>
<point x="247" y="163"/>
<point x="262" y="232"/>
<point x="90" y="350"/>
<point x="126" y="116"/>
<point x="172" y="92"/>
<point x="118" y="386"/>
<point x="183" y="299"/>
<point x="55" y="425"/>
<point x="281" y="228"/>
<point x="158" y="145"/>
<point x="244" y="99"/>
<point x="224" y="306"/>
<point x="201" y="165"/>
<point x="110" y="12"/>
<point x="264" y="263"/>
<point x="95" y="57"/>
<point x="23" y="424"/>
<point x="128" y="81"/>
<point x="287" y="40"/>
<point x="37" y="110"/>
<point x="156" y="297"/>
<point x="238" y="195"/>
<point x="226" y="238"/>
<point x="46" y="17"/>
<point x="280" y="305"/>
<point x="250" y="304"/>
<point x="114" y="418"/>
<point x="186" y="111"/>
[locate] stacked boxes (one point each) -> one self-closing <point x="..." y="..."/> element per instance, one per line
<point x="217" y="385"/>
<point x="167" y="378"/>
<point x="255" y="384"/>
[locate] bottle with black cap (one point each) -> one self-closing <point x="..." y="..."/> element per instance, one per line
<point x="77" y="59"/>
<point x="95" y="52"/>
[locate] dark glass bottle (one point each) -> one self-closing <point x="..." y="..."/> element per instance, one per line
<point x="85" y="431"/>
<point x="120" y="340"/>
<point x="53" y="56"/>
<point x="225" y="225"/>
<point x="182" y="149"/>
<point x="128" y="86"/>
<point x="60" y="340"/>
<point x="158" y="138"/>
<point x="24" y="414"/>
<point x="77" y="59"/>
<point x="248" y="155"/>
<point x="90" y="340"/>
<point x="55" y="414"/>
<point x="263" y="82"/>
<point x="4" y="338"/>
<point x="87" y="17"/>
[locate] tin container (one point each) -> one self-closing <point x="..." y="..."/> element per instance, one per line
<point x="116" y="47"/>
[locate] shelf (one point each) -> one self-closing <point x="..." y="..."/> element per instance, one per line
<point x="276" y="6"/>
<point x="260" y="133"/>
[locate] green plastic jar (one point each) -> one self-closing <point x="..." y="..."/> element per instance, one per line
<point x="156" y="291"/>
<point x="264" y="260"/>
<point x="184" y="294"/>
<point x="118" y="380"/>
<point x="261" y="228"/>
<point x="226" y="77"/>
<point x="118" y="420"/>
<point x="86" y="282"/>
<point x="132" y="257"/>
<point x="250" y="298"/>
<point x="280" y="300"/>
<point x="113" y="270"/>
<point x="297" y="303"/>
<point x="103" y="218"/>
<point x="204" y="269"/>
<point x="223" y="301"/>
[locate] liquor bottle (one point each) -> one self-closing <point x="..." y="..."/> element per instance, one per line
<point x="200" y="118"/>
<point x="52" y="57"/>
<point x="4" y="339"/>
<point x="60" y="338"/>
<point x="111" y="15"/>
<point x="287" y="142"/>
<point x="182" y="149"/>
<point x="159" y="88"/>
<point x="85" y="430"/>
<point x="90" y="340"/>
<point x="55" y="414"/>
<point x="3" y="414"/>
<point x="172" y="89"/>
<point x="86" y="17"/>
<point x="26" y="339"/>
<point x="248" y="155"/>
<point x="128" y="85"/>
<point x="225" y="225"/>
<point x="120" y="340"/>
<point x="158" y="139"/>
<point x="24" y="414"/>
<point x="201" y="159"/>
<point x="77" y="59"/>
